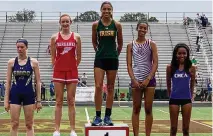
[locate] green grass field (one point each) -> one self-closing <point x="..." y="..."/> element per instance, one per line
<point x="119" y="114"/>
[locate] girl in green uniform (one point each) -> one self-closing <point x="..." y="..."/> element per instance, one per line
<point x="104" y="33"/>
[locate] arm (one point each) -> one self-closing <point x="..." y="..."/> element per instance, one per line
<point x="8" y="78"/>
<point x="193" y="74"/>
<point x="36" y="69"/>
<point x="94" y="36"/>
<point x="168" y="79"/>
<point x="119" y="37"/>
<point x="78" y="39"/>
<point x="53" y="49"/>
<point x="129" y="61"/>
<point x="155" y="60"/>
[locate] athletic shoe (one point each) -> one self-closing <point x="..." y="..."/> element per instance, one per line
<point x="97" y="121"/>
<point x="108" y="121"/>
<point x="73" y="133"/>
<point x="56" y="133"/>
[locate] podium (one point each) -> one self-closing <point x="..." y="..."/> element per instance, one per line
<point x="116" y="130"/>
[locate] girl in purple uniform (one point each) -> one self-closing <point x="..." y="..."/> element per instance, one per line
<point x="180" y="77"/>
<point x="143" y="54"/>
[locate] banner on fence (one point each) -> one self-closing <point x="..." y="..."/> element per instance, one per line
<point x="85" y="94"/>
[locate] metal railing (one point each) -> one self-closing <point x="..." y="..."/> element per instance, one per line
<point x="206" y="36"/>
<point x="170" y="37"/>
<point x="204" y="53"/>
<point x="2" y="39"/>
<point x="132" y="32"/>
<point x="23" y="30"/>
<point x="150" y="32"/>
<point x="190" y="46"/>
<point x="163" y="17"/>
<point x="39" y="45"/>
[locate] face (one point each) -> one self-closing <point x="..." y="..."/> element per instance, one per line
<point x="21" y="48"/>
<point x="65" y="22"/>
<point x="181" y="55"/>
<point x="142" y="29"/>
<point x="106" y="10"/>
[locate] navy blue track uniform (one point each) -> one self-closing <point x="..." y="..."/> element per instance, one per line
<point x="22" y="92"/>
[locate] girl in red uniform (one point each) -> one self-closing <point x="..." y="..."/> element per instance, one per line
<point x="66" y="56"/>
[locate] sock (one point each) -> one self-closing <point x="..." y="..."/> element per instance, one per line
<point x="98" y="113"/>
<point x="108" y="112"/>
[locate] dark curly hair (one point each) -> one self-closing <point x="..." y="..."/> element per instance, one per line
<point x="174" y="62"/>
<point x="142" y="22"/>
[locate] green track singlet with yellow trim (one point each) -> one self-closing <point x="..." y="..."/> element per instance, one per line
<point x="107" y="47"/>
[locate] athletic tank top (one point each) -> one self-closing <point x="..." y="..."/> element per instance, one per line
<point x="65" y="54"/>
<point x="142" y="59"/>
<point x="106" y="35"/>
<point x="22" y="77"/>
<point x="181" y="85"/>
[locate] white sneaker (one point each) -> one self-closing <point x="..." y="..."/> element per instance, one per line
<point x="73" y="133"/>
<point x="56" y="133"/>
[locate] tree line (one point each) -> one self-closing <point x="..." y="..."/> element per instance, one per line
<point x="89" y="16"/>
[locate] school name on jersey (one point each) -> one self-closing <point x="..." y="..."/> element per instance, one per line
<point x="107" y="33"/>
<point x="21" y="73"/>
<point x="180" y="75"/>
<point x="70" y="44"/>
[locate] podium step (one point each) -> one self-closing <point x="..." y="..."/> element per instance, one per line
<point x="116" y="130"/>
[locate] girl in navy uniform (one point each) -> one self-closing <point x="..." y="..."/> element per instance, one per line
<point x="19" y="88"/>
<point x="180" y="76"/>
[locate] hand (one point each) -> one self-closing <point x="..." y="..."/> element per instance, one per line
<point x="144" y="83"/>
<point x="193" y="97"/>
<point x="38" y="106"/>
<point x="6" y="106"/>
<point x="135" y="83"/>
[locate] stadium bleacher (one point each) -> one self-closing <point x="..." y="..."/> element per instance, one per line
<point x="166" y="37"/>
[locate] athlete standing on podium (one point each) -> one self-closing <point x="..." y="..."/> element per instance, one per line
<point x="66" y="56"/>
<point x="104" y="33"/>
